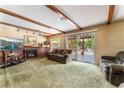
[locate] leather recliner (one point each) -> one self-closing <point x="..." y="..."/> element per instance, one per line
<point x="113" y="68"/>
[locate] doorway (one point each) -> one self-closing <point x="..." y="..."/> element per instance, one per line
<point x="83" y="46"/>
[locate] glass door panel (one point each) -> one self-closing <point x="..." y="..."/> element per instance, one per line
<point x="82" y="46"/>
<point x="72" y="44"/>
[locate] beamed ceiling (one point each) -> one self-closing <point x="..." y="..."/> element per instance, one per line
<point x="59" y="19"/>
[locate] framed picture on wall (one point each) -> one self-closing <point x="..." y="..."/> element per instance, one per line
<point x="30" y="40"/>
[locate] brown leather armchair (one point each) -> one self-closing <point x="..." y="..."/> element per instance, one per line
<point x="113" y="68"/>
<point x="116" y="76"/>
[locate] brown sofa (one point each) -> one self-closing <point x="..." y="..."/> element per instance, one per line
<point x="113" y="68"/>
<point x="60" y="55"/>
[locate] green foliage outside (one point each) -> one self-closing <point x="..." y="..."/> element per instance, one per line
<point x="88" y="44"/>
<point x="57" y="40"/>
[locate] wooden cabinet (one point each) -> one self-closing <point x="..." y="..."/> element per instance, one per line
<point x="41" y="52"/>
<point x="36" y="52"/>
<point x="31" y="52"/>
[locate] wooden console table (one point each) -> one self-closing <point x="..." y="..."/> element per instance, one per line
<point x="31" y="52"/>
<point x="35" y="52"/>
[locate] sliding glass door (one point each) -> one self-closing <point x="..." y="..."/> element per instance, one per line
<point x="82" y="46"/>
<point x="72" y="44"/>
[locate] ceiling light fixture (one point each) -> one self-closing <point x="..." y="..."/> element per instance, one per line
<point x="61" y="17"/>
<point x="17" y="29"/>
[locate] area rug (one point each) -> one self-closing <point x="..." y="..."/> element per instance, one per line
<point x="43" y="73"/>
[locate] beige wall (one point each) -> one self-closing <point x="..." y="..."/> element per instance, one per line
<point x="7" y="31"/>
<point x="109" y="39"/>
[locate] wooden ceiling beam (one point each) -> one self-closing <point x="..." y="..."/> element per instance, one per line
<point x="110" y="14"/>
<point x="27" y="19"/>
<point x="30" y="29"/>
<point x="56" y="10"/>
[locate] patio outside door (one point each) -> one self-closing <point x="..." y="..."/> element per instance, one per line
<point x="82" y="46"/>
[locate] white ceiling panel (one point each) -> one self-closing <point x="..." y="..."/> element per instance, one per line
<point x="83" y="15"/>
<point x="41" y="14"/>
<point x="118" y="13"/>
<point x="86" y="15"/>
<point x="12" y="20"/>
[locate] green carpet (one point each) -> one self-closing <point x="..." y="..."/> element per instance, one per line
<point x="43" y="73"/>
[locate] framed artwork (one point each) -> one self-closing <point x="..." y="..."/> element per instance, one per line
<point x="30" y="40"/>
<point x="10" y="43"/>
